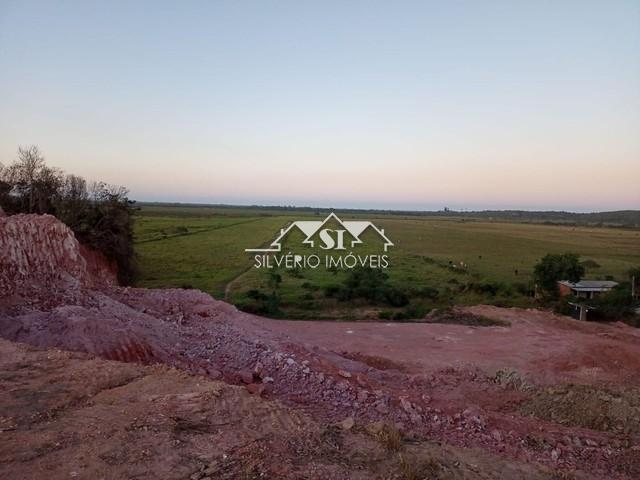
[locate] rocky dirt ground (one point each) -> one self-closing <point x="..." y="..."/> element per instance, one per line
<point x="71" y="415"/>
<point x="229" y="395"/>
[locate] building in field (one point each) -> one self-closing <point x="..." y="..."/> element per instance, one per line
<point x="585" y="288"/>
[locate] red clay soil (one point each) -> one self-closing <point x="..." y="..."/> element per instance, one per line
<point x="512" y="392"/>
<point x="546" y="347"/>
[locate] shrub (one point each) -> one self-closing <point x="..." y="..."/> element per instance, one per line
<point x="431" y="293"/>
<point x="616" y="304"/>
<point x="261" y="303"/>
<point x="275" y="279"/>
<point x="395" y="297"/>
<point x="487" y="288"/>
<point x="411" y="312"/>
<point x="295" y="273"/>
<point x="590" y="263"/>
<point x="553" y="268"/>
<point x="332" y="290"/>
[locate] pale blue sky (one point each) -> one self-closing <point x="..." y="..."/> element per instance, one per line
<point x="473" y="104"/>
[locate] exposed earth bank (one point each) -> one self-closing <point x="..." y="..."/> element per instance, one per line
<point x="545" y="397"/>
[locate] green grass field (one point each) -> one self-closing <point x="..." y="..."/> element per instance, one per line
<point x="203" y="247"/>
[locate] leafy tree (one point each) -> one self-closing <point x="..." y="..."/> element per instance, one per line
<point x="370" y="284"/>
<point x="555" y="267"/>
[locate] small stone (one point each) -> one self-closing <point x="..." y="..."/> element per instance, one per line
<point x="347" y="423"/>
<point x="555" y="454"/>
<point x="362" y="396"/>
<point x="406" y="405"/>
<point x="344" y="373"/>
<point x="268" y="379"/>
<point x="496" y="435"/>
<point x="258" y="368"/>
<point x="375" y="427"/>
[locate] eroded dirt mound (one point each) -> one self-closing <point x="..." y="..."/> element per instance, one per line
<point x="38" y="252"/>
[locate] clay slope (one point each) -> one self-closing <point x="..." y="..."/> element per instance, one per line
<point x="38" y="253"/>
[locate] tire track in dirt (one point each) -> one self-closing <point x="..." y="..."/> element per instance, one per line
<point x="205" y="230"/>
<point x="227" y="288"/>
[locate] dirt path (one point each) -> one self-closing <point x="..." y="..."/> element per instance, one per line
<point x="204" y="230"/>
<point x="229" y="286"/>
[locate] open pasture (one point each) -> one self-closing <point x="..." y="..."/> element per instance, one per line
<point x="465" y="261"/>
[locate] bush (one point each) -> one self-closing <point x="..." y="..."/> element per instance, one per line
<point x="261" y="303"/>
<point x="487" y="288"/>
<point x="553" y="268"/>
<point x="411" y="312"/>
<point x="295" y="273"/>
<point x="430" y="293"/>
<point x="590" y="263"/>
<point x="395" y="297"/>
<point x="332" y="290"/>
<point x="616" y="304"/>
<point x="370" y="284"/>
<point x="523" y="289"/>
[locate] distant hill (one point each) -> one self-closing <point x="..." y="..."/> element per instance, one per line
<point x="618" y="218"/>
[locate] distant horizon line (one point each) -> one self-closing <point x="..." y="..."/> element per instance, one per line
<point x="371" y="209"/>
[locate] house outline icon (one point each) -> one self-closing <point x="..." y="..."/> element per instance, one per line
<point x="310" y="227"/>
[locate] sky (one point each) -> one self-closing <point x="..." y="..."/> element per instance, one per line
<point x="398" y="105"/>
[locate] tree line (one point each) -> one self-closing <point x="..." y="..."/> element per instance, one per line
<point x="100" y="215"/>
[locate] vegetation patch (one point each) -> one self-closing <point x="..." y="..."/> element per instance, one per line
<point x="457" y="317"/>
